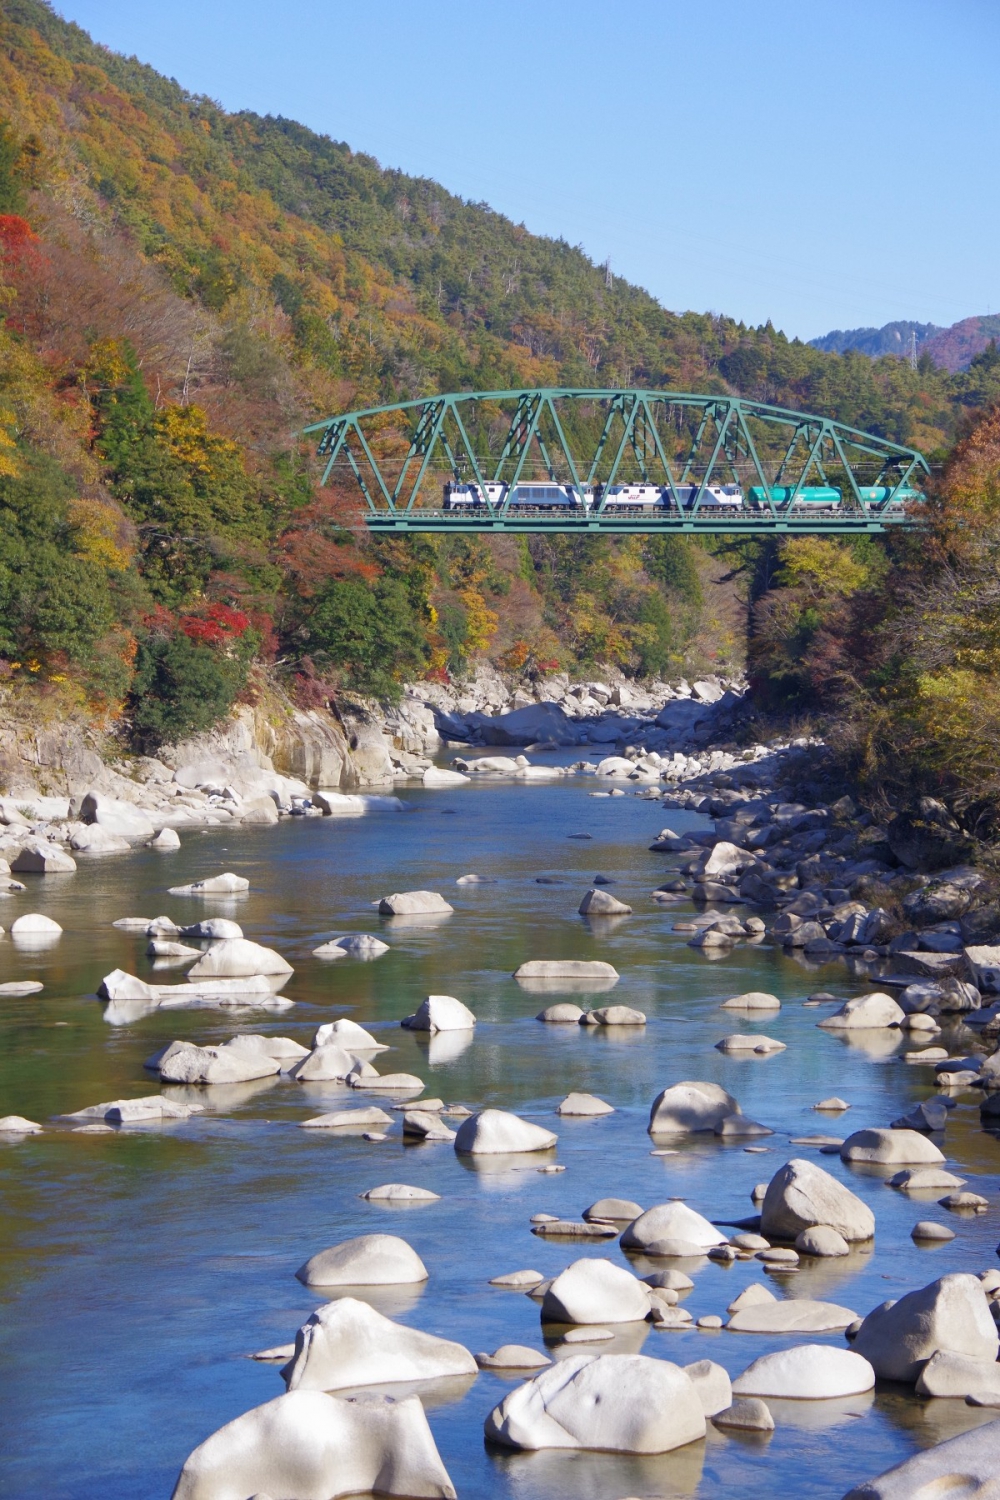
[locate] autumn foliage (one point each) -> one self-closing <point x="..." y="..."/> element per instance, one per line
<point x="182" y="290"/>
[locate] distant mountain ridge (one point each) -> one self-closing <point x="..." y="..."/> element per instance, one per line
<point x="951" y="348"/>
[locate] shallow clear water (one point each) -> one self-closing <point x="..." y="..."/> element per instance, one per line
<point x="139" y="1269"/>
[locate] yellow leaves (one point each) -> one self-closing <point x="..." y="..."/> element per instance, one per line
<point x="9" y="466"/>
<point x="480" y="622"/>
<point x="596" y="637"/>
<point x="101" y="535"/>
<point x="185" y="429"/>
<point x="107" y="366"/>
<point x="821" y="566"/>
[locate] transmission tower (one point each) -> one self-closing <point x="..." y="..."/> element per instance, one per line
<point x="609" y="280"/>
<point x="913" y="348"/>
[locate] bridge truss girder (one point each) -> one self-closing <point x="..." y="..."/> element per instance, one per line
<point x="669" y="439"/>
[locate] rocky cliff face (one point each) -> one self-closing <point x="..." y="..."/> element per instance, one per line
<point x="358" y="743"/>
<point x="54" y="759"/>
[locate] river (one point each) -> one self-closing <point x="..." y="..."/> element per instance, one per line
<point x="138" y="1269"/>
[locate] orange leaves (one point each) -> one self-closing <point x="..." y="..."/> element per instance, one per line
<point x="320" y="545"/>
<point x="17" y="240"/>
<point x="516" y="656"/>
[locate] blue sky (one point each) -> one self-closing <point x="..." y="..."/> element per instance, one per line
<point x="822" y="163"/>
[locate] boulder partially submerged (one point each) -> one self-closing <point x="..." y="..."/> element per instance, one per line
<point x="687" y="1108"/>
<point x="600" y="903"/>
<point x="347" y="1343"/>
<point x="806" y="1372"/>
<point x="496" y="1132"/>
<point x="890" y="1148"/>
<point x="413" y="904"/>
<point x="796" y="1315"/>
<point x="615" y="1403"/>
<point x="313" y="1446"/>
<point x="801" y="1195"/>
<point x="951" y="1314"/>
<point x="565" y="968"/>
<point x="671" y="1229"/>
<point x="961" y="1468"/>
<point x="368" y="1260"/>
<point x="184" y="1062"/>
<point x="237" y="958"/>
<point x="440" y="1013"/>
<point x="348" y="1034"/>
<point x="865" y="1013"/>
<point x="227" y="884"/>
<point x="595" y="1291"/>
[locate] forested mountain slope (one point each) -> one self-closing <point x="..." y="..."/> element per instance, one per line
<point x="182" y="289"/>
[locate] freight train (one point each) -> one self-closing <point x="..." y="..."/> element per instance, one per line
<point x="648" y="498"/>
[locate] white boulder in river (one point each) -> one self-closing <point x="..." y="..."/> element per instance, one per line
<point x="400" y="1192"/>
<point x="794" y="1315"/>
<point x="801" y="1195"/>
<point x="953" y="1314"/>
<point x="166" y="839"/>
<point x="584" y="1105"/>
<point x="413" y="904"/>
<point x="326" y="1064"/>
<point x="806" y="1372"/>
<point x="91" y="838"/>
<point x="671" y="1229"/>
<point x="347" y="1343"/>
<point x="947" y="1374"/>
<point x="346" y="1033"/>
<point x="497" y="1132"/>
<point x="213" y="927"/>
<point x="354" y="945"/>
<point x="565" y="968"/>
<point x="183" y="1062"/>
<point x="595" y="1291"/>
<point x="563" y="1014"/>
<point x="618" y="1403"/>
<point x="34" y="924"/>
<point x="963" y="1468"/>
<point x="440" y="1013"/>
<point x="18" y="1125"/>
<point x="312" y="1446"/>
<point x="42" y="858"/>
<point x="369" y="1260"/>
<point x="752" y="1000"/>
<point x="613" y="1015"/>
<point x="329" y="950"/>
<point x="890" y="1148"/>
<point x="865" y="1013"/>
<point x="282" y="1048"/>
<point x="600" y="903"/>
<point x="689" y="1107"/>
<point x="237" y="958"/>
<point x="213" y="885"/>
<point x="712" y="1383"/>
<point x="436" y="776"/>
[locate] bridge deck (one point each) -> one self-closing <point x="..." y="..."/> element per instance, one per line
<point x="800" y="523"/>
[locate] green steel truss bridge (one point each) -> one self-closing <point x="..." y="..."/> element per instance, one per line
<point x="566" y="460"/>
